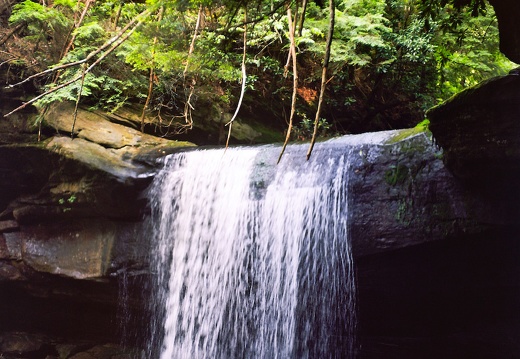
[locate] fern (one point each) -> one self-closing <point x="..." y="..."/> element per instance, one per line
<point x="89" y="33"/>
<point x="35" y="14"/>
<point x="71" y="4"/>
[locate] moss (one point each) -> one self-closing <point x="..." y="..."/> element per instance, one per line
<point x="402" y="211"/>
<point x="396" y="174"/>
<point x="178" y="144"/>
<point x="421" y="127"/>
<point x="268" y="135"/>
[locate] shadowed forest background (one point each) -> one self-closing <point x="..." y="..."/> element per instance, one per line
<point x="176" y="64"/>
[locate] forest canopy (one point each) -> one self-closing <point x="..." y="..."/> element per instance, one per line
<point x="183" y="61"/>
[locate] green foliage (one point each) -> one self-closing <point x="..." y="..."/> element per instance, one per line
<point x="423" y="125"/>
<point x="38" y="16"/>
<point x="89" y="34"/>
<point x="469" y="55"/>
<point x="359" y="31"/>
<point x="304" y="129"/>
<point x="71" y="199"/>
<point x="389" y="58"/>
<point x="45" y="29"/>
<point x="42" y="22"/>
<point x="396" y="174"/>
<point x="67" y="201"/>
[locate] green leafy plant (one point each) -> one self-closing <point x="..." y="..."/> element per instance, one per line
<point x="390" y="59"/>
<point x="67" y="201"/>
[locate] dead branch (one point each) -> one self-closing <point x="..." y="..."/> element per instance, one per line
<point x="289" y="55"/>
<point x="118" y="15"/>
<point x="187" y="105"/>
<point x="77" y="103"/>
<point x="295" y="82"/>
<point x="192" y="44"/>
<point x="302" y="18"/>
<point x="244" y="80"/>
<point x="87" y="70"/>
<point x="326" y="59"/>
<point x="12" y="32"/>
<point x="274" y="10"/>
<point x="114" y="39"/>
<point x="77" y="25"/>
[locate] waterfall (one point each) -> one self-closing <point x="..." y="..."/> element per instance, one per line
<point x="252" y="259"/>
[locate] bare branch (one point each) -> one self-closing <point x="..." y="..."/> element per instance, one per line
<point x="87" y="70"/>
<point x="289" y="55"/>
<point x="302" y="18"/>
<point x="76" y="25"/>
<point x="188" y="107"/>
<point x="12" y="32"/>
<point x="326" y="59"/>
<point x="244" y="80"/>
<point x="77" y="103"/>
<point x="33" y="100"/>
<point x="295" y="82"/>
<point x="274" y="10"/>
<point x="115" y="38"/>
<point x="192" y="45"/>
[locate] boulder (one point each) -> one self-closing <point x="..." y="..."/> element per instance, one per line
<point x="81" y="249"/>
<point x="31" y="345"/>
<point x="119" y="150"/>
<point x="22" y="344"/>
<point x="508" y="13"/>
<point x="401" y="194"/>
<point x="479" y="133"/>
<point x="100" y="172"/>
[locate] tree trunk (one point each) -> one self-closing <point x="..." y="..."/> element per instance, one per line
<point x="302" y="17"/>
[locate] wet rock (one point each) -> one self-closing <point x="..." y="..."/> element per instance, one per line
<point x="100" y="172"/>
<point x="81" y="249"/>
<point x="10" y="272"/>
<point x="22" y="344"/>
<point x="402" y="195"/>
<point x="67" y="350"/>
<point x="107" y="351"/>
<point x="4" y="252"/>
<point x="28" y="345"/>
<point x="11" y="246"/>
<point x="8" y="226"/>
<point x="79" y="252"/>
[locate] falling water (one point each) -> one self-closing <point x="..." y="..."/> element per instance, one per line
<point x="252" y="258"/>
